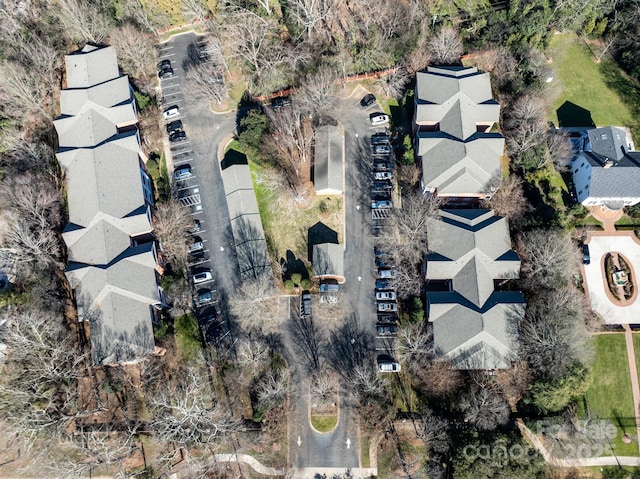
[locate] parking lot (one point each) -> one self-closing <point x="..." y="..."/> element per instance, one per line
<point x="192" y="132"/>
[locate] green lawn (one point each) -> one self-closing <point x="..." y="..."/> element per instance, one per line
<point x="610" y="395"/>
<point x="636" y="348"/>
<point x="324" y="423"/>
<point x="599" y="94"/>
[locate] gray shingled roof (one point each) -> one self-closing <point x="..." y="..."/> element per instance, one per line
<point x="328" y="173"/>
<point x="459" y="168"/>
<point x="104" y="179"/>
<point x="112" y="96"/>
<point x="115" y="283"/>
<point x="473" y="339"/>
<point x="328" y="259"/>
<point x="471" y="253"/>
<point x="608" y="142"/>
<point x="457" y="98"/>
<point x="91" y="66"/>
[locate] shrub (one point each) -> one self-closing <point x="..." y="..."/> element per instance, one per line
<point x="288" y="285"/>
<point x="296" y="278"/>
<point x="142" y="100"/>
<point x="305" y="283"/>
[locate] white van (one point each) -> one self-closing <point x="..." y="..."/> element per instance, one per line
<point x="378" y="119"/>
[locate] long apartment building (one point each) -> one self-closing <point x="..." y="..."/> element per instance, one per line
<point x="112" y="264"/>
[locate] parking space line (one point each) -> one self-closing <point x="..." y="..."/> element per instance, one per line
<point x="191" y="187"/>
<point x="200" y="262"/>
<point x="180" y="162"/>
<point x="186" y="152"/>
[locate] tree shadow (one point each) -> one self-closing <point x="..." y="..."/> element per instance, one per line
<point x="627" y="89"/>
<point x="293" y="265"/>
<point x="572" y="115"/>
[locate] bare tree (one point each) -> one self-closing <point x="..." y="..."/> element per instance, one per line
<point x="393" y="85"/>
<point x="317" y="93"/>
<point x="256" y="42"/>
<point x="446" y="46"/>
<point x="37" y="55"/>
<point x="324" y="385"/>
<point x="367" y="382"/>
<point x="560" y="152"/>
<point x="272" y="388"/>
<point x="411" y="222"/>
<point x="171" y="224"/>
<point x="38" y="384"/>
<point x="255" y="305"/>
<point x="549" y="258"/>
<point x="290" y="142"/>
<point x="552" y="335"/>
<point x="414" y="345"/>
<point x="433" y="431"/>
<point x="438" y="380"/>
<point x="33" y="198"/>
<point x="135" y="54"/>
<point x="184" y="416"/>
<point x="310" y="16"/>
<point x="252" y="354"/>
<point x="84" y="21"/>
<point x="509" y="199"/>
<point x="206" y="81"/>
<point x="20" y="92"/>
<point x="485" y="406"/>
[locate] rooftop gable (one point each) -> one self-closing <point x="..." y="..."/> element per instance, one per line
<point x="91" y="66"/>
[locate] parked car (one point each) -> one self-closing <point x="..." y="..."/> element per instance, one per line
<point x="280" y="102"/>
<point x="177" y="136"/>
<point x="377" y="119"/>
<point x="197" y="226"/>
<point x="182" y="173"/>
<point x="305" y="303"/>
<point x="382" y="166"/>
<point x="204" y="296"/>
<point x="383" y="285"/>
<point x="367" y="100"/>
<point x="329" y="287"/>
<point x="386" y="329"/>
<point x="389" y="367"/>
<point x="214" y="331"/>
<point x="171" y="112"/>
<point x="379" y="139"/>
<point x="164" y="69"/>
<point x="386" y="296"/>
<point x="387" y="307"/>
<point x="386" y="273"/>
<point x="387" y="318"/>
<point x="382" y="175"/>
<point x="202" y="276"/>
<point x="381" y="204"/>
<point x="197" y="245"/>
<point x="382" y="185"/>
<point x="174" y="125"/>
<point x="381" y="149"/>
<point x="586" y="257"/>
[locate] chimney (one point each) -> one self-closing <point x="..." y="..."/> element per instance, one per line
<point x="608" y="163"/>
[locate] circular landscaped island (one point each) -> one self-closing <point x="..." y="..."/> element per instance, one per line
<point x="619" y="278"/>
<point x="324" y="402"/>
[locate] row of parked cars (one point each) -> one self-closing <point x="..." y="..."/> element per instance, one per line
<point x="386" y="306"/>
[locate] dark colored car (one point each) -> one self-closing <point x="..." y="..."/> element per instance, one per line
<point x="380" y="139"/>
<point x="305" y="303"/>
<point x="387" y="318"/>
<point x="329" y="287"/>
<point x="164" y="64"/>
<point x="204" y="296"/>
<point x="367" y="100"/>
<point x="174" y="126"/>
<point x="586" y="257"/>
<point x="177" y="136"/>
<point x="383" y="285"/>
<point x="382" y="185"/>
<point x="280" y="102"/>
<point x="168" y="73"/>
<point x="386" y="329"/>
<point x="164" y="69"/>
<point x="381" y="166"/>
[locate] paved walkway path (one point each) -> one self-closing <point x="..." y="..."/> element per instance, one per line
<point x="607" y="217"/>
<point x="633" y="371"/>
<point x="251" y="461"/>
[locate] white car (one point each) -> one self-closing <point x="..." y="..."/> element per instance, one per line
<point x="389" y="367"/>
<point x="382" y="149"/>
<point x="202" y="277"/>
<point x="196" y="246"/>
<point x="378" y="119"/>
<point x="386" y="295"/>
<point x="382" y="175"/>
<point x="381" y="204"/>
<point x="387" y="307"/>
<point x="171" y="112"/>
